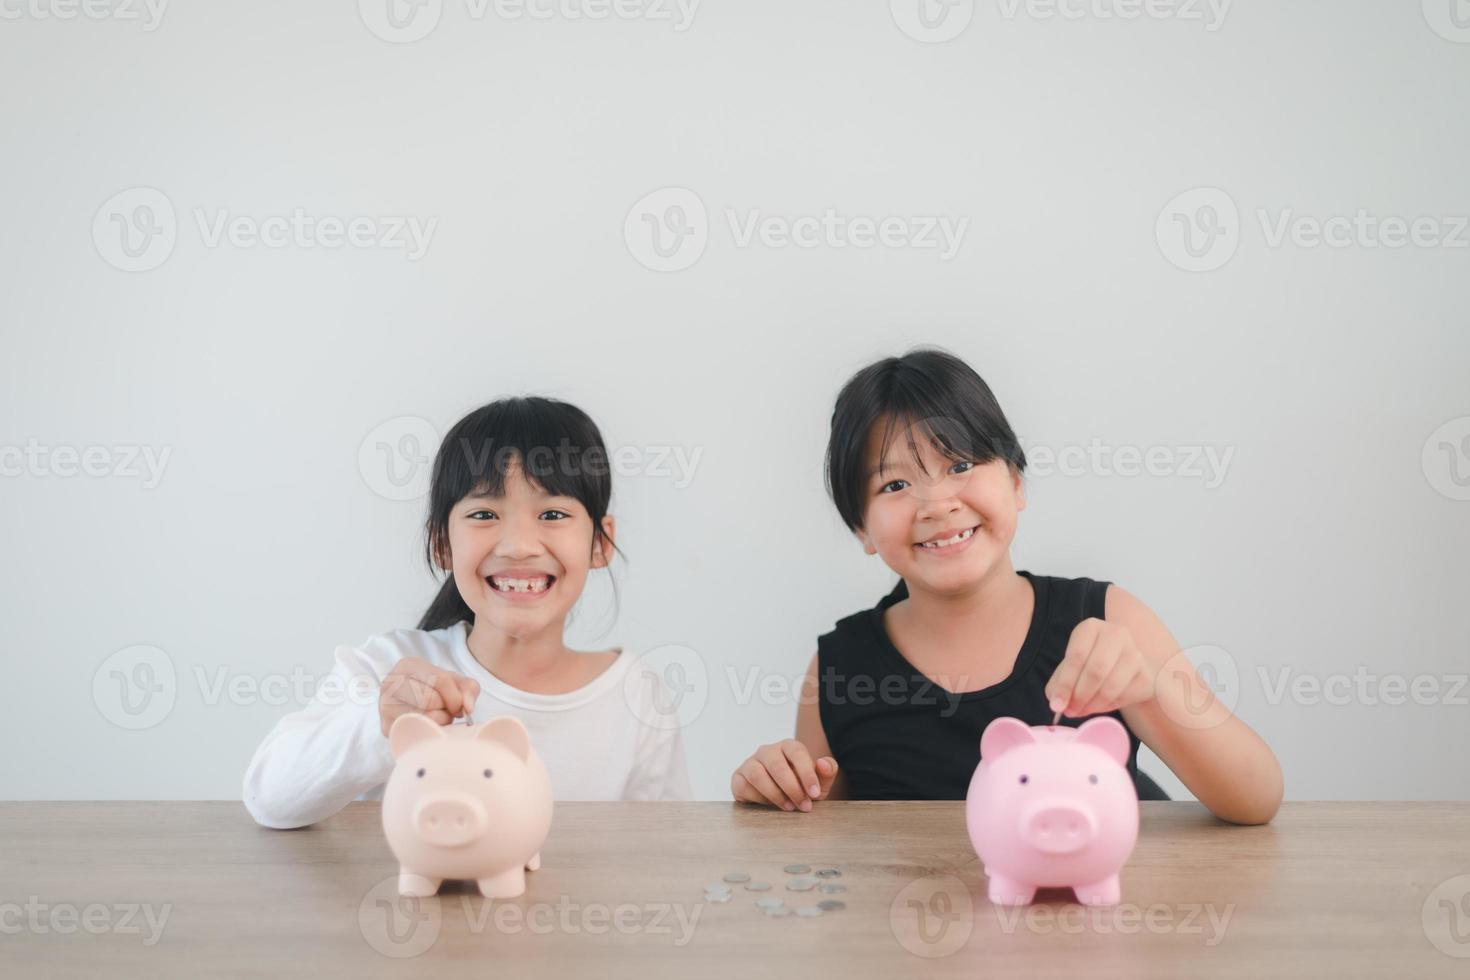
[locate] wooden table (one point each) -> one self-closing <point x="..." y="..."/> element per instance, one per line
<point x="174" y="889"/>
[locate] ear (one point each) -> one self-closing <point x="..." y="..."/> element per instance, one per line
<point x="1107" y="734"/>
<point x="409" y="730"/>
<point x="1002" y="735"/>
<point x="509" y="731"/>
<point x="867" y="542"/>
<point x="1020" y="489"/>
<point x="602" y="551"/>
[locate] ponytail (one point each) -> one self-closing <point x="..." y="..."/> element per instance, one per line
<point x="447" y="608"/>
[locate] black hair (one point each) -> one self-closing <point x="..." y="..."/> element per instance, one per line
<point x="927" y="389"/>
<point x="555" y="444"/>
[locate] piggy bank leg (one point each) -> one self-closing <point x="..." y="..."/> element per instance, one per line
<point x="508" y="884"/>
<point x="1105" y="892"/>
<point x="1008" y="891"/>
<point x="535" y="863"/>
<point x="416" y="885"/>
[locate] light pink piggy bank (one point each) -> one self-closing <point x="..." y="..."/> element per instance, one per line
<point x="465" y="801"/>
<point x="1053" y="808"/>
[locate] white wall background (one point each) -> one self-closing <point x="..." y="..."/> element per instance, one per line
<point x="1335" y="546"/>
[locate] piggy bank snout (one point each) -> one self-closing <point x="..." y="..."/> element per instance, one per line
<point x="1058" y="825"/>
<point x="450" y="819"/>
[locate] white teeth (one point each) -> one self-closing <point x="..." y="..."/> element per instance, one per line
<point x="949" y="541"/>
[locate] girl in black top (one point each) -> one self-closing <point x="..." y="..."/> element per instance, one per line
<point x="926" y="472"/>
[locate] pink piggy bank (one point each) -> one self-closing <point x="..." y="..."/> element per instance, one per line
<point x="1052" y="808"/>
<point x="465" y="801"/>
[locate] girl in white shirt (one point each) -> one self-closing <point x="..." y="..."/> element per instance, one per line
<point x="518" y="518"/>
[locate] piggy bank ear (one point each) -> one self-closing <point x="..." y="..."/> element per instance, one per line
<point x="508" y="731"/>
<point x="1002" y="735"/>
<point x="409" y="730"/>
<point x="1107" y="734"/>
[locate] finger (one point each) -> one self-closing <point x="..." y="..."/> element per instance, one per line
<point x="1064" y="678"/>
<point x="756" y="774"/>
<point x="413" y="688"/>
<point x="780" y="770"/>
<point x="1125" y="669"/>
<point x="826" y="772"/>
<point x="801" y="763"/>
<point x="747" y="792"/>
<point x="1100" y="662"/>
<point x="446" y="685"/>
<point x="439" y="716"/>
<point x="469" y="692"/>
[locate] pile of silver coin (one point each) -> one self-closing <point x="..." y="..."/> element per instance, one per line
<point x="801" y="881"/>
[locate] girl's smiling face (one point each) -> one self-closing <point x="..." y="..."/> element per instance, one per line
<point x="520" y="559"/>
<point x="940" y="522"/>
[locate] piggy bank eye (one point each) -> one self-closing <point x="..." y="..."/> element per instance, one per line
<point x="421" y="774"/>
<point x="1023" y="780"/>
<point x="1092" y="778"/>
<point x="488" y="774"/>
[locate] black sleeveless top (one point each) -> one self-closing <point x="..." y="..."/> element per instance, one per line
<point x="899" y="736"/>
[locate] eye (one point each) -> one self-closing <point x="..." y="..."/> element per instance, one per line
<point x="488" y="774"/>
<point x="1092" y="778"/>
<point x="481" y="515"/>
<point x="893" y="486"/>
<point x="559" y="515"/>
<point x="962" y="466"/>
<point x="421" y="773"/>
<point x="1024" y="779"/>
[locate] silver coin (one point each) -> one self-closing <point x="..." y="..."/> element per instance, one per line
<point x="770" y="902"/>
<point x="718" y="897"/>
<point x="797" y="869"/>
<point x="831" y="888"/>
<point x="723" y="889"/>
<point x="809" y="911"/>
<point x="828" y="873"/>
<point x="801" y="884"/>
<point x="831" y="905"/>
<point x="778" y="911"/>
<point x="758" y="886"/>
<point x="737" y="877"/>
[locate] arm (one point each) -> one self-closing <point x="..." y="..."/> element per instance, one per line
<point x="319" y="759"/>
<point x="793" y="772"/>
<point x="1223" y="762"/>
<point x="809" y="730"/>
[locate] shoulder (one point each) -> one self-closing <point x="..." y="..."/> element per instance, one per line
<point x="384" y="650"/>
<point x="859" y="623"/>
<point x="1143" y="624"/>
<point x="1125" y="608"/>
<point x="1070" y="598"/>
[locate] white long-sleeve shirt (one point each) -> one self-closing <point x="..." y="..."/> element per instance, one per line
<point x="603" y="741"/>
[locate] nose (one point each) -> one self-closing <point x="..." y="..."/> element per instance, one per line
<point x="1058" y="826"/>
<point x="936" y="502"/>
<point x="449" y="819"/>
<point x="518" y="540"/>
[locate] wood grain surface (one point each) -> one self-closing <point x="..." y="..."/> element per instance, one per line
<point x="154" y="889"/>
